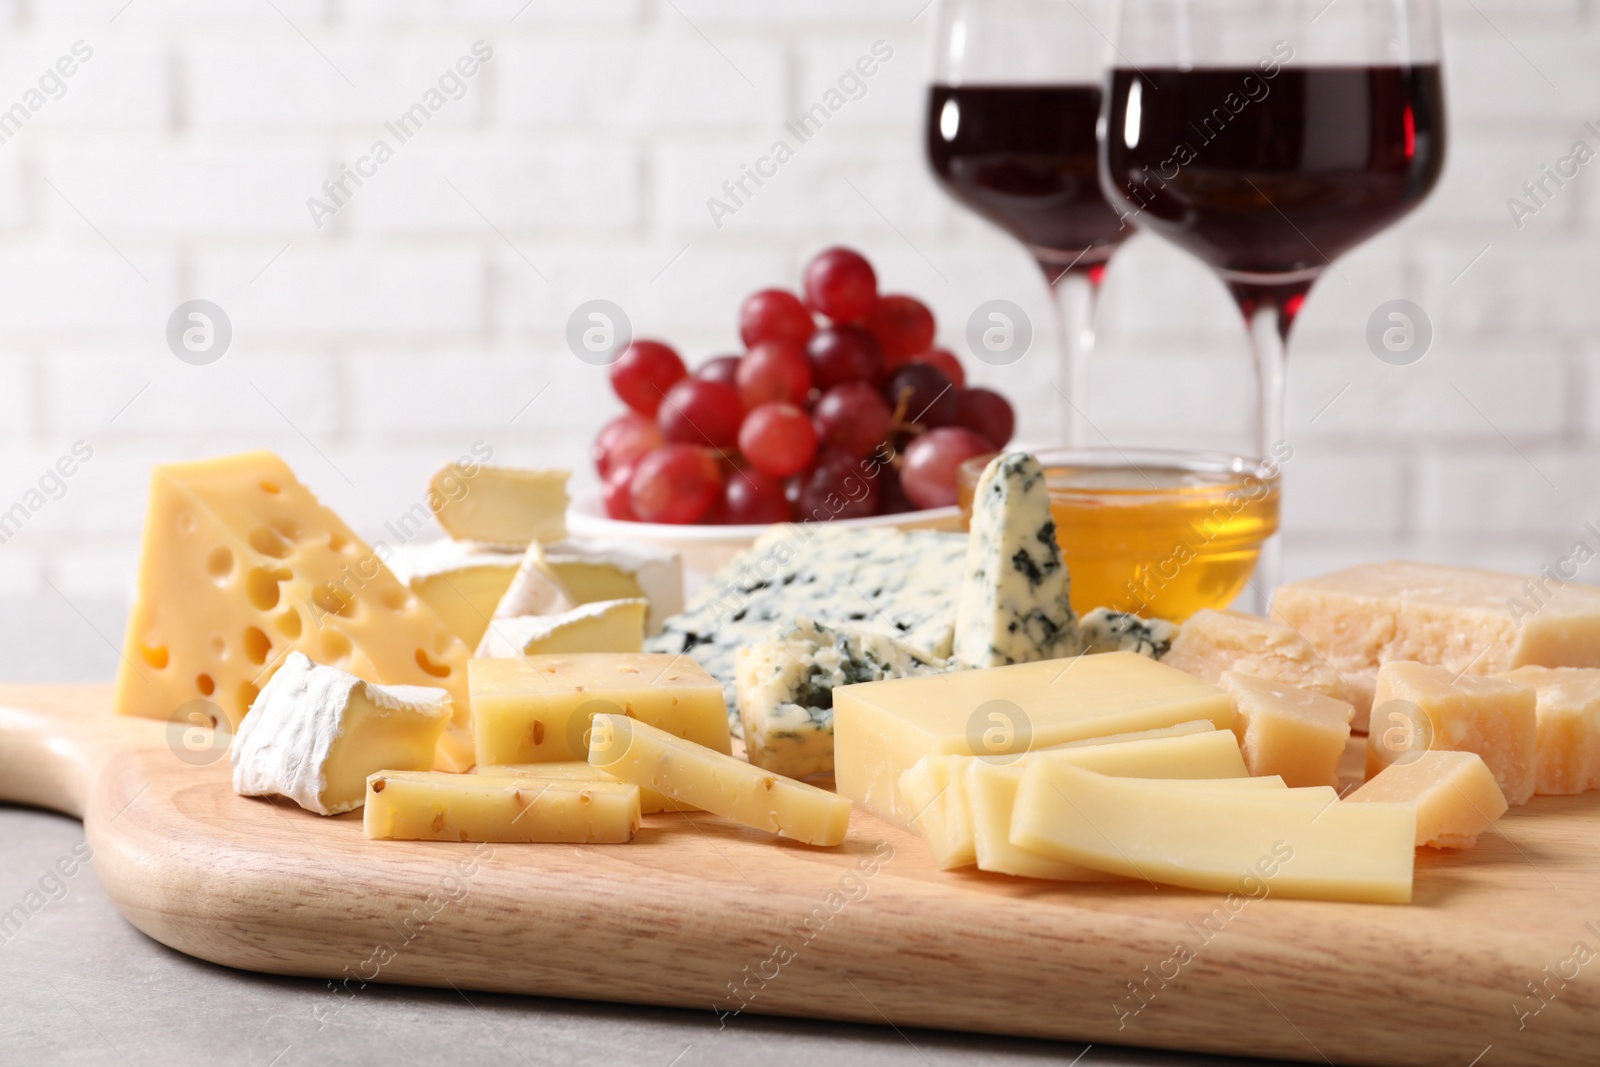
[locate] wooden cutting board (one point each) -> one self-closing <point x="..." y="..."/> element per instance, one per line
<point x="700" y="914"/>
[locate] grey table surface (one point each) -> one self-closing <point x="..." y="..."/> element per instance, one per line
<point x="79" y="985"/>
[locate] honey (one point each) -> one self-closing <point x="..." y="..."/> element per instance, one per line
<point x="1161" y="534"/>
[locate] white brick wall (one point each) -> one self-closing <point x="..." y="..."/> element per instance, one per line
<point x="577" y="164"/>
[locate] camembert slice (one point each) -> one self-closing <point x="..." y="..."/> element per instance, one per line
<point x="604" y="626"/>
<point x="502" y="505"/>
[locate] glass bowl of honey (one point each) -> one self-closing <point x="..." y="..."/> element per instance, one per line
<point x="1157" y="532"/>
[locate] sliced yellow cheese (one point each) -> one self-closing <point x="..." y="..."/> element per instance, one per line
<point x="1295" y="733"/>
<point x="1420" y="707"/>
<point x="461" y="581"/>
<point x="1183" y="729"/>
<point x="539" y="709"/>
<point x="1568" y="712"/>
<point x="934" y="792"/>
<point x="502" y="505"/>
<point x="1453" y="794"/>
<point x="882" y="728"/>
<point x="650" y="802"/>
<point x="604" y="626"/>
<point x="240" y="565"/>
<point x="430" y="806"/>
<point x="695" y="775"/>
<point x="1226" y="841"/>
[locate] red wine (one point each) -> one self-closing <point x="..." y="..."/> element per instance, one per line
<point x="1279" y="175"/>
<point x="1025" y="157"/>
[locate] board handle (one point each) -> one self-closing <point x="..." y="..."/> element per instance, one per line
<point x="55" y="739"/>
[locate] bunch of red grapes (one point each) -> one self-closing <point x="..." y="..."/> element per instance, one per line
<point x="860" y="415"/>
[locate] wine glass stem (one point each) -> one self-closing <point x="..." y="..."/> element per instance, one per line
<point x="1269" y="331"/>
<point x="1075" y="294"/>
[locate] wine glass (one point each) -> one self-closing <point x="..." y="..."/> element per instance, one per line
<point x="1011" y="122"/>
<point x="1268" y="138"/>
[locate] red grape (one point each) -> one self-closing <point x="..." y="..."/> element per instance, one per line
<point x="774" y="370"/>
<point x="623" y="440"/>
<point x="841" y="354"/>
<point x="987" y="412"/>
<point x="774" y="315"/>
<point x="723" y="369"/>
<point x="840" y="284"/>
<point x="752" y="497"/>
<point x="645" y="372"/>
<point x="894" y="500"/>
<point x="946" y="362"/>
<point x="676" y="483"/>
<point x="778" y="439"/>
<point x="615" y="493"/>
<point x="698" y="412"/>
<point x="920" y="395"/>
<point x="839" y="489"/>
<point x="853" y="419"/>
<point x="929" y="474"/>
<point x="903" y="325"/>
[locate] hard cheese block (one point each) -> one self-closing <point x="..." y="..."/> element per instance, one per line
<point x="1014" y="605"/>
<point x="882" y="728"/>
<point x="539" y="709"/>
<point x="461" y="581"/>
<point x="241" y="565"/>
<point x="613" y="570"/>
<point x="718" y="783"/>
<point x="902" y="583"/>
<point x="785" y="689"/>
<point x="429" y="806"/>
<point x="1226" y="841"/>
<point x="650" y="802"/>
<point x="1453" y="794"/>
<point x="1568" y="712"/>
<point x="1293" y="733"/>
<point x="1212" y="642"/>
<point x="1420" y="707"/>
<point x="1473" y="621"/>
<point x="315" y="733"/>
<point x="503" y="505"/>
<point x="604" y="626"/>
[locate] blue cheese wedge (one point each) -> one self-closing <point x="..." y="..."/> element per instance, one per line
<point x="785" y="689"/>
<point x="896" y="582"/>
<point x="1104" y="630"/>
<point x="1014" y="605"/>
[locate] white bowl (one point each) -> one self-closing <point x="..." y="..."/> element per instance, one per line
<point x="704" y="549"/>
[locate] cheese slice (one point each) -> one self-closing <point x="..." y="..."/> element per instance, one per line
<point x="315" y="733"/>
<point x="614" y="570"/>
<point x="882" y="728"/>
<point x="539" y="709"/>
<point x="704" y="778"/>
<point x="534" y="589"/>
<point x="1226" y="841"/>
<point x="429" y="806"/>
<point x="1014" y="605"/>
<point x="502" y="505"/>
<point x="1453" y="794"/>
<point x="1212" y="642"/>
<point x="1419" y="707"/>
<point x="650" y="802"/>
<point x="461" y="581"/>
<point x="241" y="566"/>
<point x="1471" y="621"/>
<point x="934" y="792"/>
<point x="1568" y="711"/>
<point x="604" y="626"/>
<point x="1294" y="733"/>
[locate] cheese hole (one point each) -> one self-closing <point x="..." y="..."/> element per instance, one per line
<point x="205" y="684"/>
<point x="261" y="588"/>
<point x="377" y="786"/>
<point x="336" y="542"/>
<point x="330" y="601"/>
<point x="395" y="598"/>
<point x="438" y="670"/>
<point x="257" y="645"/>
<point x="247" y="696"/>
<point x="286" y="529"/>
<point x="269" y="542"/>
<point x="270" y="487"/>
<point x="220" y="564"/>
<point x="156" y="656"/>
<point x="219" y="647"/>
<point x="288" y="623"/>
<point x="186" y="522"/>
<point x="336" y="646"/>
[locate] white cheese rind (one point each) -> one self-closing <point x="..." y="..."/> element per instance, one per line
<point x="1014" y="605"/>
<point x="287" y="739"/>
<point x="520" y="636"/>
<point x="785" y="689"/>
<point x="659" y="574"/>
<point x="411" y="562"/>
<point x="534" y="589"/>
